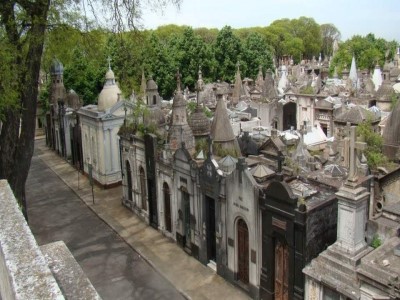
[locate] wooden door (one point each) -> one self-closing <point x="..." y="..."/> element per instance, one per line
<point x="281" y="271"/>
<point x="167" y="208"/>
<point x="243" y="252"/>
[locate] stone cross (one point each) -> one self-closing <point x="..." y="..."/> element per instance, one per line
<point x="354" y="146"/>
<point x="109" y="62"/>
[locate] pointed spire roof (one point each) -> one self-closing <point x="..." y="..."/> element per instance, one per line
<point x="377" y="77"/>
<point x="260" y="77"/>
<point x="353" y="71"/>
<point x="238" y="87"/>
<point x="221" y="129"/>
<point x="269" y="90"/>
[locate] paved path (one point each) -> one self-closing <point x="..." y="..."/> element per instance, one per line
<point x="114" y="268"/>
<point x="189" y="276"/>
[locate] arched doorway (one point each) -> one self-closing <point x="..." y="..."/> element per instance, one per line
<point x="281" y="270"/>
<point x="129" y="179"/>
<point x="243" y="251"/>
<point x="143" y="189"/>
<point x="167" y="207"/>
<point x="289" y="116"/>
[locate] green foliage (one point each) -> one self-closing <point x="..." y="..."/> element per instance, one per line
<point x="256" y="52"/>
<point x="308" y="90"/>
<point x="84" y="76"/>
<point x="329" y="34"/>
<point x="228" y="52"/>
<point x="368" y="51"/>
<point x="222" y="152"/>
<point x="8" y="78"/>
<point x="376" y="242"/>
<point x="373" y="153"/>
<point x="202" y="144"/>
<point x="191" y="106"/>
<point x="394" y="100"/>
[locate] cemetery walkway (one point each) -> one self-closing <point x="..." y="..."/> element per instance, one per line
<point x="56" y="212"/>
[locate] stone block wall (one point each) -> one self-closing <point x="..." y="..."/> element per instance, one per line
<point x="24" y="270"/>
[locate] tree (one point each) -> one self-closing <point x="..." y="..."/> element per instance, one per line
<point x="374" y="140"/>
<point x="309" y="32"/>
<point x="368" y="51"/>
<point x="85" y="77"/>
<point x="227" y="51"/>
<point x="329" y="34"/>
<point x="23" y="25"/>
<point x="189" y="52"/>
<point x="256" y="53"/>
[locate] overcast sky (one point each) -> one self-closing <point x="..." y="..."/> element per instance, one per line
<point x="381" y="17"/>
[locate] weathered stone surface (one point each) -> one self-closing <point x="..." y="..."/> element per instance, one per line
<point x="69" y="275"/>
<point x="24" y="273"/>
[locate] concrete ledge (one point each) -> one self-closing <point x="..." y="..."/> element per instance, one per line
<point x="24" y="273"/>
<point x="69" y="275"/>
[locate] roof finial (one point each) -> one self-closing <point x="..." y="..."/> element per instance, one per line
<point x="178" y="81"/>
<point x="109" y="62"/>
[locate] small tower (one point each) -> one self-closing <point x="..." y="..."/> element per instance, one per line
<point x="152" y="96"/>
<point x="57" y="82"/>
<point x="180" y="131"/>
<point x="238" y="87"/>
<point x="198" y="121"/>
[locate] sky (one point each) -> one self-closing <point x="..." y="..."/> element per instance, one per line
<point x="351" y="17"/>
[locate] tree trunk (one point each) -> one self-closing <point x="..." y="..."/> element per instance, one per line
<point x="18" y="132"/>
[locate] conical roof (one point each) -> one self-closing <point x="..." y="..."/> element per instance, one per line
<point x="221" y="129"/>
<point x="391" y="136"/>
<point x="269" y="90"/>
<point x="199" y="123"/>
<point x="238" y="88"/>
<point x="353" y="71"/>
<point x="377" y="77"/>
<point x="384" y="92"/>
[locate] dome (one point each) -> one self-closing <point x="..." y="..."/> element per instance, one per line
<point x="110" y="75"/>
<point x="109" y="95"/>
<point x="57" y="67"/>
<point x="156" y="117"/>
<point x="72" y="100"/>
<point x="151" y="85"/>
<point x="384" y="92"/>
<point x="199" y="123"/>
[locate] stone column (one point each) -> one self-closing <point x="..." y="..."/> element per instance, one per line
<point x="352" y="212"/>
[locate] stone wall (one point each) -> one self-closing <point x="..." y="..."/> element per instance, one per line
<point x="25" y="273"/>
